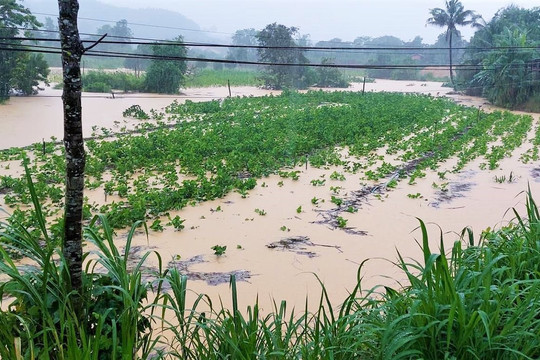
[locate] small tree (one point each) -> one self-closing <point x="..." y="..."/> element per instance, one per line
<point x="120" y="32"/>
<point x="138" y="64"/>
<point x="30" y="70"/>
<point x="282" y="76"/>
<point x="166" y="74"/>
<point x="330" y="76"/>
<point x="244" y="37"/>
<point x="506" y="78"/>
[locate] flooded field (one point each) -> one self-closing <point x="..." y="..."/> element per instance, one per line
<point x="27" y="120"/>
<point x="276" y="251"/>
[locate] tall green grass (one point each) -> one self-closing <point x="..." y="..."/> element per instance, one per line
<point x="40" y="322"/>
<point x="210" y="77"/>
<point x="478" y="300"/>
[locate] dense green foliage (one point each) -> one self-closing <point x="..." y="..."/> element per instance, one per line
<point x="41" y="323"/>
<point x="287" y="75"/>
<point x="330" y="77"/>
<point x="507" y="78"/>
<point x="107" y="81"/>
<point x="480" y="301"/>
<point x="19" y="70"/>
<point x="167" y="75"/>
<point x="243" y="37"/>
<point x="101" y="81"/>
<point x="428" y="54"/>
<point x="208" y="77"/>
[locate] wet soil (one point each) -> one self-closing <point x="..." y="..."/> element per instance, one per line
<point x="298" y="245"/>
<point x="212" y="278"/>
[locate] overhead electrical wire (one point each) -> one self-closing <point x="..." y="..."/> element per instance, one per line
<point x="305" y="48"/>
<point x="56" y="50"/>
<point x="96" y="53"/>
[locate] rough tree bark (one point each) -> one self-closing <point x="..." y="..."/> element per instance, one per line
<point x="450" y="58"/>
<point x="72" y="51"/>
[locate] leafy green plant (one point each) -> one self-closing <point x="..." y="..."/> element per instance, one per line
<point x="502" y="179"/>
<point x="337" y="176"/>
<point x="318" y="182"/>
<point x="289" y="174"/>
<point x="336" y="200"/>
<point x="219" y="249"/>
<point x="217" y="153"/>
<point x="476" y="299"/>
<point x="341" y="222"/>
<point x="156" y="225"/>
<point x="261" y="212"/>
<point x="299" y="209"/>
<point x="177" y="222"/>
<point x="137" y="112"/>
<point x="42" y="323"/>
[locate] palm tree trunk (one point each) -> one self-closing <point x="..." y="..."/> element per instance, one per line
<point x="450" y="56"/>
<point x="72" y="50"/>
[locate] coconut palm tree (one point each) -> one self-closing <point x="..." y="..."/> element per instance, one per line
<point x="454" y="15"/>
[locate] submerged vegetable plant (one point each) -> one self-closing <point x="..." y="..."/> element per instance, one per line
<point x="219" y="249"/>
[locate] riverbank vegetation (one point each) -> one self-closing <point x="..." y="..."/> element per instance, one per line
<point x="508" y="60"/>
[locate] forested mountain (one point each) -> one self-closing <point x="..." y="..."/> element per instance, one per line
<point x="170" y="23"/>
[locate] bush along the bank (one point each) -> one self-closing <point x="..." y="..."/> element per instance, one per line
<point x="101" y="81"/>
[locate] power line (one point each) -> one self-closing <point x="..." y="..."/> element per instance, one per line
<point x="51" y="50"/>
<point x="96" y="53"/>
<point x="305" y="48"/>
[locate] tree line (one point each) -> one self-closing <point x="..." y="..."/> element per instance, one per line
<point x="502" y="56"/>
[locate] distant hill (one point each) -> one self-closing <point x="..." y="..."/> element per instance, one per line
<point x="169" y="23"/>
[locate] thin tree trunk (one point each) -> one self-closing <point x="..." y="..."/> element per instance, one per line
<point x="451" y="72"/>
<point x="72" y="50"/>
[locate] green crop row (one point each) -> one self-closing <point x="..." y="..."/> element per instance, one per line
<point x="200" y="151"/>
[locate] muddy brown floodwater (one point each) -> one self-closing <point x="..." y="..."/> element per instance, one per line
<point x="282" y="254"/>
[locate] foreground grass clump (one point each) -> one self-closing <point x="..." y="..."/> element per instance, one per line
<point x="480" y="301"/>
<point x="37" y="316"/>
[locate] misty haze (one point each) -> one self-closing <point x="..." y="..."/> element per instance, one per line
<point x="269" y="180"/>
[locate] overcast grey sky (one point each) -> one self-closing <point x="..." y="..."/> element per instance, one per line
<point x="323" y="20"/>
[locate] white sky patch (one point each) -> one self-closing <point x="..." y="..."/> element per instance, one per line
<point x="322" y="20"/>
